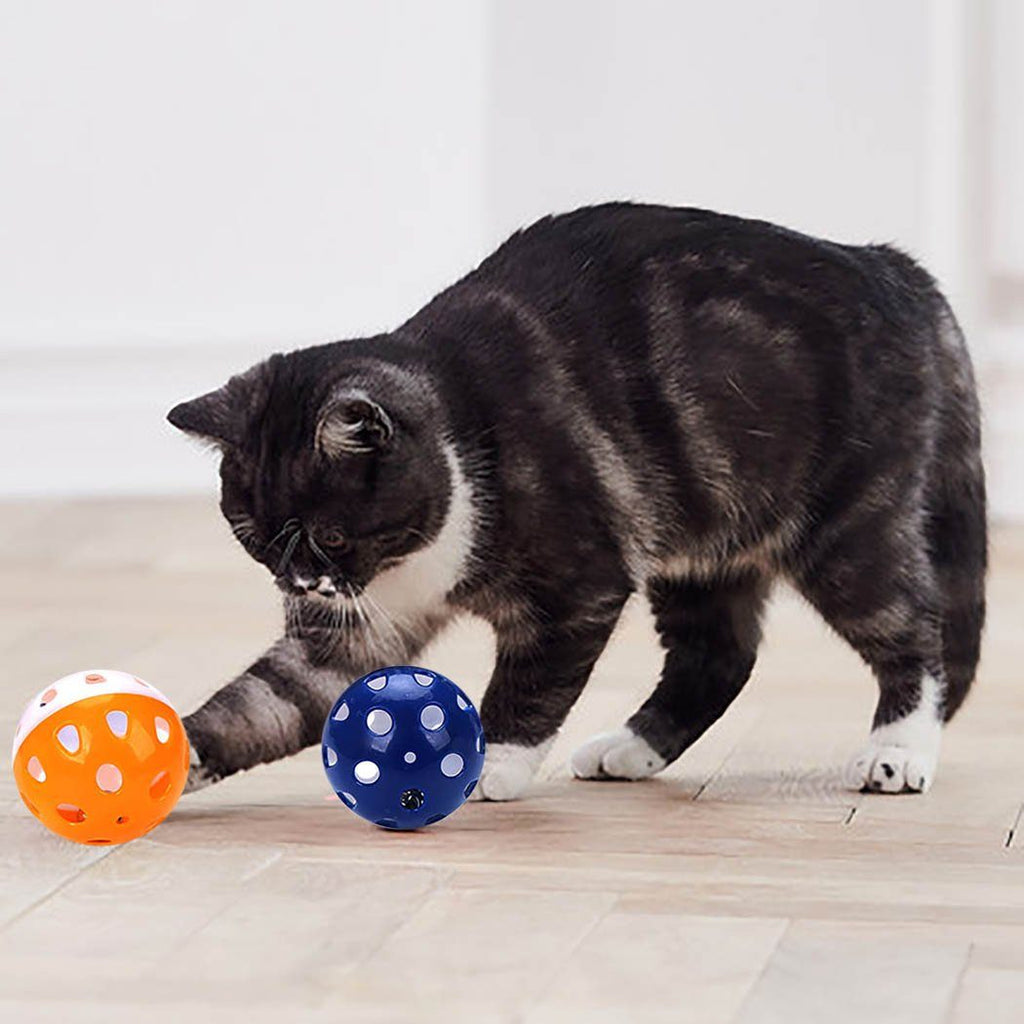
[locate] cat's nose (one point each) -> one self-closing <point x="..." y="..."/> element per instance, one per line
<point x="324" y="586"/>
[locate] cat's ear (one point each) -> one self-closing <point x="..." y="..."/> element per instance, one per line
<point x="222" y="416"/>
<point x="210" y="417"/>
<point x="352" y="423"/>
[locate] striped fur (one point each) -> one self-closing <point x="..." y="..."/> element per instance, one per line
<point x="623" y="397"/>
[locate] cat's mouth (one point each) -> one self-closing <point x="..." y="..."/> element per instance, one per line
<point x="322" y="588"/>
<point x="332" y="589"/>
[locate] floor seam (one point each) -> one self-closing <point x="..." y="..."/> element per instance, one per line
<point x="60" y="887"/>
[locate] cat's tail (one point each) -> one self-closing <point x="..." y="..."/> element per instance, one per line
<point x="957" y="524"/>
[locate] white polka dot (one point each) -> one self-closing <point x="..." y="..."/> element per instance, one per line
<point x="35" y="769"/>
<point x="410" y="758"/>
<point x="117" y="722"/>
<point x="68" y="738"/>
<point x="462" y="704"/>
<point x="451" y="765"/>
<point x="332" y="757"/>
<point x="423" y="679"/>
<point x="342" y="713"/>
<point x="432" y="717"/>
<point x="163" y="729"/>
<point x="379" y="722"/>
<point x="366" y="772"/>
<point x="377" y="684"/>
<point x="349" y="799"/>
<point x="479" y="744"/>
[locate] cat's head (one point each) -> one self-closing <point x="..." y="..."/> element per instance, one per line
<point x="333" y="467"/>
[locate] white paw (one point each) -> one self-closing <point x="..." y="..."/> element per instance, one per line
<point x="616" y="755"/>
<point x="891" y="769"/>
<point x="901" y="756"/>
<point x="508" y="770"/>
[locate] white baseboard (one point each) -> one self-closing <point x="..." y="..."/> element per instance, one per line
<point x="91" y="422"/>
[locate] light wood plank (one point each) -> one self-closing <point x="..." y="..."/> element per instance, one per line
<point x="116" y="923"/>
<point x="849" y="974"/>
<point x="35" y="864"/>
<point x="328" y="919"/>
<point x="989" y="994"/>
<point x="654" y="968"/>
<point x="469" y="952"/>
<point x="264" y="899"/>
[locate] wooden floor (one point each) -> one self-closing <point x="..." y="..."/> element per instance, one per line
<point x="742" y="886"/>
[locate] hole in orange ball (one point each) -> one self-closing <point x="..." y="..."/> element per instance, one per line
<point x="35" y="769"/>
<point x="98" y="842"/>
<point x="117" y="723"/>
<point x="47" y="697"/>
<point x="122" y="819"/>
<point x="69" y="812"/>
<point x="68" y="738"/>
<point x="95" y="677"/>
<point x="163" y="729"/>
<point x="160" y="785"/>
<point x="109" y="778"/>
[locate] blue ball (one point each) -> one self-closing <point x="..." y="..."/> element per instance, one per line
<point x="403" y="747"/>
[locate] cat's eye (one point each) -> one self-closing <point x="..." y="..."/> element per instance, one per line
<point x="334" y="539"/>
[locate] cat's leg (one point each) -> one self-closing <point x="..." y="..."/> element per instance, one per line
<point x="276" y="707"/>
<point x="710" y="631"/>
<point x="536" y="681"/>
<point x="876" y="587"/>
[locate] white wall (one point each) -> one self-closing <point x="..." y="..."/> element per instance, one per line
<point x="1007" y="183"/>
<point x="803" y="112"/>
<point x="185" y="187"/>
<point x="866" y="121"/>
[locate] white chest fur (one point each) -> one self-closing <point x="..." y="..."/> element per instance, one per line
<point x="416" y="588"/>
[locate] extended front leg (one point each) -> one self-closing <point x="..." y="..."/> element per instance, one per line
<point x="533" y="686"/>
<point x="276" y="707"/>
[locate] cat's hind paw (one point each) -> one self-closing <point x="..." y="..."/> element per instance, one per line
<point x="616" y="755"/>
<point x="890" y="769"/>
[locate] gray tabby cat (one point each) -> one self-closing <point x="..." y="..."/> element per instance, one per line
<point x="623" y="397"/>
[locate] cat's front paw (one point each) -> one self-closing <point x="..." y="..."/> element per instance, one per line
<point x="508" y="770"/>
<point x="881" y="768"/>
<point x="616" y="755"/>
<point x="199" y="775"/>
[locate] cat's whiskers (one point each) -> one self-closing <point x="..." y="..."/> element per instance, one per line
<point x="380" y="617"/>
<point x="335" y="629"/>
<point x="289" y="526"/>
<point x="242" y="528"/>
<point x="289" y="550"/>
<point x="293" y="617"/>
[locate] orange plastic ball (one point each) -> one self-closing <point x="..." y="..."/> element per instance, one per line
<point x="100" y="757"/>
